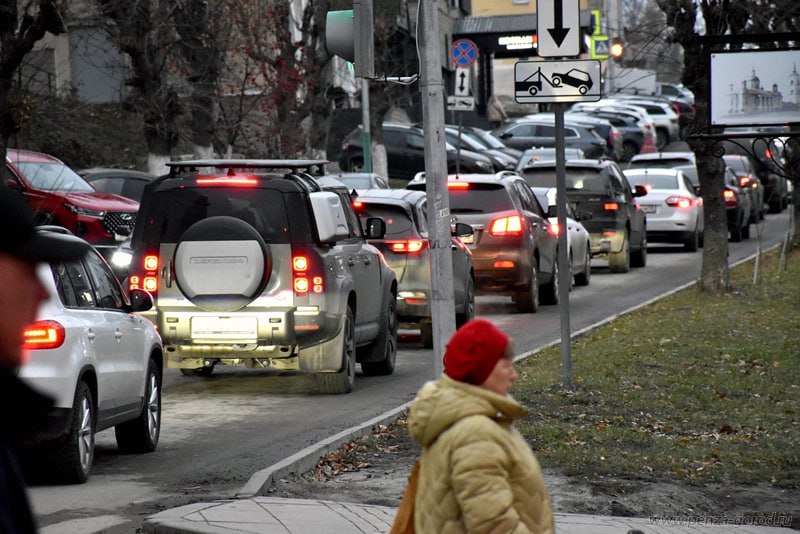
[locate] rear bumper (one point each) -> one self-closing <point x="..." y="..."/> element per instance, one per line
<point x="606" y="242"/>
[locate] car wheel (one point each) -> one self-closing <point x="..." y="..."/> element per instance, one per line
<point x="533" y="90"/>
<point x="469" y="304"/>
<point x="384" y="350"/>
<point x="736" y="233"/>
<point x="343" y="380"/>
<point x="556" y="81"/>
<point x="583" y="89"/>
<point x="692" y="242"/>
<point x="141" y="434"/>
<point x="73" y="456"/>
<point x="620" y="262"/>
<point x="549" y="291"/>
<point x="583" y="277"/>
<point x="426" y="335"/>
<point x="528" y="300"/>
<point x="746" y="230"/>
<point x="662" y="139"/>
<point x="639" y="257"/>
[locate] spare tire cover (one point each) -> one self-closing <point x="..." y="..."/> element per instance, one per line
<point x="221" y="264"/>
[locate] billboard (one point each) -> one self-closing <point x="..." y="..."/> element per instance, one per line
<point x="755" y="87"/>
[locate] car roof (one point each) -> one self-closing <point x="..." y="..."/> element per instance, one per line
<point x="654" y="170"/>
<point x="290" y="164"/>
<point x="98" y="171"/>
<point x="496" y="178"/>
<point x="680" y="156"/>
<point x="392" y="196"/>
<point x="577" y="163"/>
<point x="28" y="156"/>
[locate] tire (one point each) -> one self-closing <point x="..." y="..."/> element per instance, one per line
<point x="384" y="350"/>
<point x="620" y="262"/>
<point x="662" y="138"/>
<point x="343" y="380"/>
<point x="528" y="300"/>
<point x="736" y="234"/>
<point x="639" y="256"/>
<point x="548" y="293"/>
<point x="628" y="151"/>
<point x="533" y="91"/>
<point x="583" y="277"/>
<point x="692" y="243"/>
<point x="141" y="434"/>
<point x="201" y="371"/>
<point x="426" y="335"/>
<point x="556" y="81"/>
<point x="469" y="305"/>
<point x="73" y="456"/>
<point x="583" y="89"/>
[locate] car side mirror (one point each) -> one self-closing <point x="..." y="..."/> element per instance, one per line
<point x="639" y="191"/>
<point x="460" y="229"/>
<point x="375" y="228"/>
<point x="141" y="300"/>
<point x="697" y="190"/>
<point x="13" y="184"/>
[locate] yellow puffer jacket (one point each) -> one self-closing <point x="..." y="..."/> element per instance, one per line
<point x="477" y="472"/>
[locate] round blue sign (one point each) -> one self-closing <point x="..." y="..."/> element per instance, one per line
<point x="463" y="52"/>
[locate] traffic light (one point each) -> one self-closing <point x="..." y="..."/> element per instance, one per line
<point x="617" y="49"/>
<point x="348" y="34"/>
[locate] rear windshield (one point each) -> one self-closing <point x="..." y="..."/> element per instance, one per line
<point x="480" y="198"/>
<point x="575" y="179"/>
<point x="171" y="212"/>
<point x="398" y="223"/>
<point x="53" y="177"/>
<point x="662" y="163"/>
<point x="654" y="181"/>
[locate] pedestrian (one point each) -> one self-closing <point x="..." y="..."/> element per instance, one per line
<point x="22" y="247"/>
<point x="495" y="112"/>
<point x="477" y="473"/>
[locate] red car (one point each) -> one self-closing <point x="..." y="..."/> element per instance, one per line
<point x="58" y="195"/>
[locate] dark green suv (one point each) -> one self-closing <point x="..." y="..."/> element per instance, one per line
<point x="617" y="226"/>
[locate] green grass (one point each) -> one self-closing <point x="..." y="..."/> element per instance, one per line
<point x="694" y="388"/>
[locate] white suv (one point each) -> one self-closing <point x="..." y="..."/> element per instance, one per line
<point x="99" y="360"/>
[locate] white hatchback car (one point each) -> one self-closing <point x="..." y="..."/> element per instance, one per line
<point x="673" y="207"/>
<point x="99" y="360"/>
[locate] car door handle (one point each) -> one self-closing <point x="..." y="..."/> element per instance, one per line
<point x="90" y="334"/>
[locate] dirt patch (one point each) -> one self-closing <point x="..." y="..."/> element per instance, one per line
<point x="373" y="470"/>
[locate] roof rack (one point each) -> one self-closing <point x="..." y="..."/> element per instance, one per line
<point x="310" y="166"/>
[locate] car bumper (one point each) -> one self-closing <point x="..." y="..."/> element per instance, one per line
<point x="606" y="242"/>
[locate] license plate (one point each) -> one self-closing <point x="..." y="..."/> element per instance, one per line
<point x="238" y="328"/>
<point x="649" y="209"/>
<point x="467" y="239"/>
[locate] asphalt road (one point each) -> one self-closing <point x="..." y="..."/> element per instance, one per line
<point x="218" y="431"/>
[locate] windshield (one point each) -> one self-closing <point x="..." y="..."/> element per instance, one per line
<point x="398" y="223"/>
<point x="653" y="181"/>
<point x="53" y="176"/>
<point x="480" y="198"/>
<point x="356" y="182"/>
<point x="490" y="140"/>
<point x="575" y="179"/>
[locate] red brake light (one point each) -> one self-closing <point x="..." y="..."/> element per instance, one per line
<point x="553" y="228"/>
<point x="245" y="181"/>
<point x="611" y="206"/>
<point x="358" y="204"/>
<point x="305" y="276"/>
<point x="44" y="335"/>
<point x="679" y="202"/>
<point x="406" y="247"/>
<point x="147" y="280"/>
<point x="730" y="197"/>
<point x="151" y="263"/>
<point x="457" y="185"/>
<point x="506" y="226"/>
<point x="744" y="181"/>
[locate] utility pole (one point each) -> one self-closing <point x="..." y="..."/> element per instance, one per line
<point x="613" y="29"/>
<point x="432" y="88"/>
<point x="366" y="138"/>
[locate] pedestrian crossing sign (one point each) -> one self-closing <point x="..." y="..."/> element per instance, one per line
<point x="600" y="46"/>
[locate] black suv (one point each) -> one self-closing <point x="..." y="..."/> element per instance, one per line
<point x="259" y="262"/>
<point x="617" y="227"/>
<point x="405" y="153"/>
<point x="513" y="246"/>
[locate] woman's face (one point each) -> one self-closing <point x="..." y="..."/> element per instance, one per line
<point x="501" y="378"/>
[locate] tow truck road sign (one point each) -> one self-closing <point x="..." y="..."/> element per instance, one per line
<point x="558" y="28"/>
<point x="557" y="81"/>
<point x="460" y="103"/>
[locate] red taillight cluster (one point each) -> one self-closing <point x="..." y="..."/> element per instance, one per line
<point x="458" y="185"/>
<point x="409" y="246"/>
<point x="553" y="228"/>
<point x="679" y="202"/>
<point x="307" y="276"/>
<point x="611" y="206"/>
<point x="506" y="226"/>
<point x="44" y="335"/>
<point x="149" y="280"/>
<point x="730" y="197"/>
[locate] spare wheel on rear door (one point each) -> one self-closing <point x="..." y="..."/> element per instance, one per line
<point x="221" y="264"/>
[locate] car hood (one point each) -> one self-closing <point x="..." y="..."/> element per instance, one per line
<point x="102" y="201"/>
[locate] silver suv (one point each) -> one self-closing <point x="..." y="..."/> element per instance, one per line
<point x="261" y="263"/>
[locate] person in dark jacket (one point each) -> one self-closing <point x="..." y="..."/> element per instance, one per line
<point x="22" y="247"/>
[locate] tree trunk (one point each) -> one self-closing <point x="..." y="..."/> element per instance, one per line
<point x="714" y="274"/>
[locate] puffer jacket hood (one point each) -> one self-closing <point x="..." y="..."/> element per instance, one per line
<point x="441" y="403"/>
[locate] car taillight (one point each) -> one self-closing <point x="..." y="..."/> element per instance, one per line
<point x="730" y="197"/>
<point x="307" y="274"/>
<point x="553" y="229"/>
<point x="611" y="206"/>
<point x="146" y="275"/>
<point x="240" y="181"/>
<point x="679" y="202"/>
<point x="506" y="226"/>
<point x="44" y="335"/>
<point x="457" y="185"/>
<point x="745" y="181"/>
<point x="406" y="247"/>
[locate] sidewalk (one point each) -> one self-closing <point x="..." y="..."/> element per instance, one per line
<point x="271" y="515"/>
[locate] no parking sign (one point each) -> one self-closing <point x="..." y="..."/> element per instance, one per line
<point x="463" y="52"/>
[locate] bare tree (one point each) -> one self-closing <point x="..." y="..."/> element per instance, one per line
<point x="718" y="17"/>
<point x="21" y="26"/>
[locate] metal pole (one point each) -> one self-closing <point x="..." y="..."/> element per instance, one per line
<point x="432" y="88"/>
<point x="366" y="138"/>
<point x="563" y="259"/>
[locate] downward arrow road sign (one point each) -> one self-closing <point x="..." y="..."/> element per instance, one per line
<point x="556" y="20"/>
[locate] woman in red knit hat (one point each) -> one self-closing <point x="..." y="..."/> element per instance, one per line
<point x="477" y="473"/>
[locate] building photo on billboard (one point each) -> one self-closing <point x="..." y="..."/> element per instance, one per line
<point x="755" y="87"/>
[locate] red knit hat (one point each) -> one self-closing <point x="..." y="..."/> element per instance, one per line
<point x="473" y="351"/>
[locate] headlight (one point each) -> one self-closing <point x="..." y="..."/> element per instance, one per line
<point x="78" y="210"/>
<point x="121" y="258"/>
